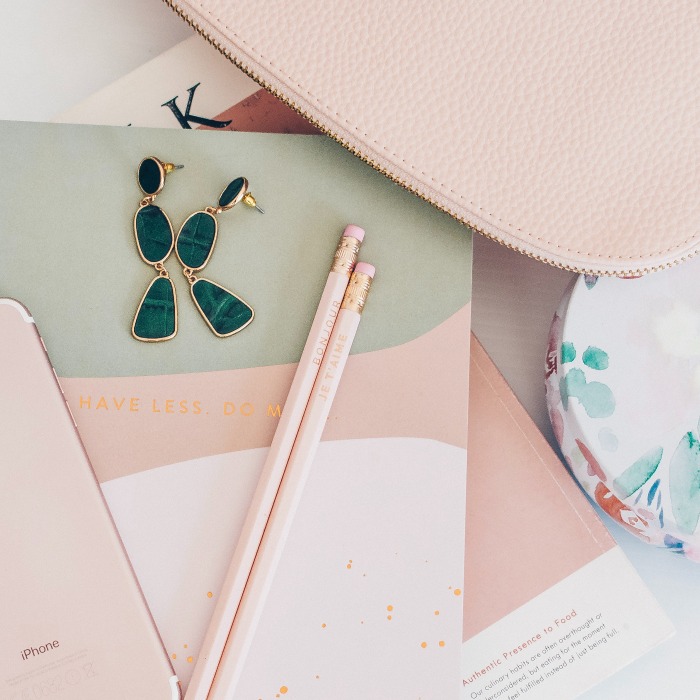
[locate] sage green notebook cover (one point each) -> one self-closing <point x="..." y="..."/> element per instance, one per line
<point x="177" y="431"/>
<point x="67" y="203"/>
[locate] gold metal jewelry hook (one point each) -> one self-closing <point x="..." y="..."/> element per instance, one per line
<point x="249" y="200"/>
<point x="169" y="167"/>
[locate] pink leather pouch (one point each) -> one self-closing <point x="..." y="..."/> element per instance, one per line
<point x="568" y="131"/>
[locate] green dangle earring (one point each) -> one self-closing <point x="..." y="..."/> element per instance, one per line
<point x="224" y="312"/>
<point x="156" y="316"/>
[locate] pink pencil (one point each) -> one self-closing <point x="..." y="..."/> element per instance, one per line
<point x="275" y="464"/>
<point x="279" y="524"/>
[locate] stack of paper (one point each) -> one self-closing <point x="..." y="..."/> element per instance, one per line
<point x="550" y="604"/>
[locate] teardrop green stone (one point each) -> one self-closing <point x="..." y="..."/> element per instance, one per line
<point x="232" y="191"/>
<point x="156" y="317"/>
<point x="154" y="234"/>
<point x="196" y="240"/>
<point x="225" y="312"/>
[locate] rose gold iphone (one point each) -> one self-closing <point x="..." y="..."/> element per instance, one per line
<point x="74" y="624"/>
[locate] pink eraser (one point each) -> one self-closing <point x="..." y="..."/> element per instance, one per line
<point x="366" y="268"/>
<point x="353" y="231"/>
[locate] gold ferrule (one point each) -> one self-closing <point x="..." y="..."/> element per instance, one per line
<point x="346" y="255"/>
<point x="357" y="291"/>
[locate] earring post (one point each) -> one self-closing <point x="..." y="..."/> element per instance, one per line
<point x="250" y="201"/>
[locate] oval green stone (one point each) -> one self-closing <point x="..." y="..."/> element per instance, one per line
<point x="225" y="311"/>
<point x="154" y="235"/>
<point x="155" y="317"/>
<point x="231" y="192"/>
<point x="196" y="240"/>
<point x="150" y="175"/>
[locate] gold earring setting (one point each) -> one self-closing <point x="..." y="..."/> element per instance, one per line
<point x="156" y="316"/>
<point x="224" y="312"/>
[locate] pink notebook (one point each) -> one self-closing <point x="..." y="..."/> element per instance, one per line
<point x="178" y="432"/>
<point x="551" y="604"/>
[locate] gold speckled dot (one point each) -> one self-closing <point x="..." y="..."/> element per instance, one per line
<point x="210" y="594"/>
<point x="283" y="689"/>
<point x="185" y="645"/>
<point x="441" y="643"/>
<point x="437" y="612"/>
<point x="190" y="659"/>
<point x="457" y="591"/>
<point x="424" y="644"/>
<point x="388" y="617"/>
<point x="174" y="656"/>
<point x="389" y="607"/>
<point x="323" y="625"/>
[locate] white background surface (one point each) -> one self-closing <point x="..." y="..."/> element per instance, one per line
<point x="55" y="53"/>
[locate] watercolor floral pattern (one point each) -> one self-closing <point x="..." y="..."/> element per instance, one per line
<point x="655" y="495"/>
<point x="596" y="397"/>
<point x="684" y="483"/>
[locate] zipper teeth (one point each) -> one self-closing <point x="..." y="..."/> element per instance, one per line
<point x="381" y="169"/>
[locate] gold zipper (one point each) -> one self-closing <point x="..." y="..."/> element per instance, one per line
<point x="381" y="169"/>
